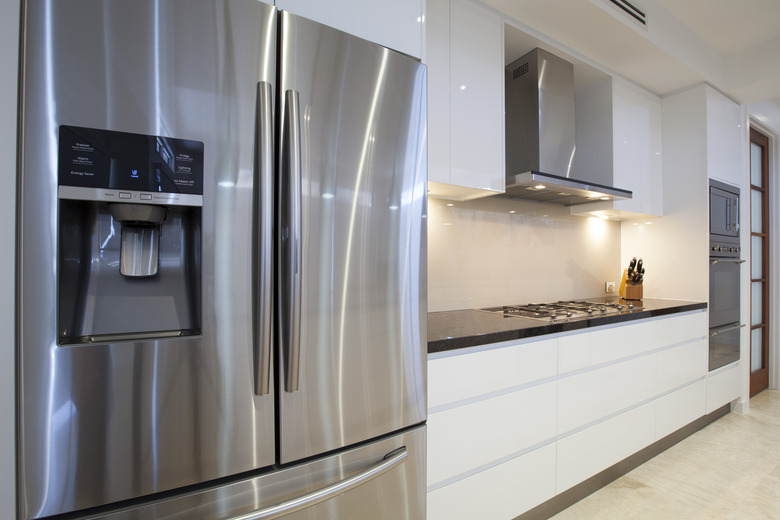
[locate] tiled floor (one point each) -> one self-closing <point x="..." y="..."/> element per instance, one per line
<point x="728" y="470"/>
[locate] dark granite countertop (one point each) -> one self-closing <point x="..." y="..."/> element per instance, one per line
<point x="449" y="330"/>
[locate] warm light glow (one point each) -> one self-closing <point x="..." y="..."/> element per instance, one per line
<point x="648" y="223"/>
<point x="605" y="198"/>
<point x="604" y="217"/>
<point x="540" y="187"/>
<point x="450" y="205"/>
<point x="512" y="212"/>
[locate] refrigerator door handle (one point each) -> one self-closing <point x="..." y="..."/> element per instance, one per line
<point x="390" y="461"/>
<point x="292" y="175"/>
<point x="264" y="168"/>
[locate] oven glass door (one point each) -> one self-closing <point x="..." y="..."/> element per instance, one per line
<point x="724" y="345"/>
<point x="724" y="291"/>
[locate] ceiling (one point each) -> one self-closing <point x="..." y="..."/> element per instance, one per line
<point x="732" y="45"/>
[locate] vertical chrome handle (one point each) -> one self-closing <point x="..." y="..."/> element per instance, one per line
<point x="264" y="200"/>
<point x="291" y="237"/>
<point x="728" y="214"/>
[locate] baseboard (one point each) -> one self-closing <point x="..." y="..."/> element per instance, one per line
<point x="573" y="495"/>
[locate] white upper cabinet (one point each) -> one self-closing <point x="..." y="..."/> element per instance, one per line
<point x="637" y="118"/>
<point x="724" y="137"/>
<point x="464" y="54"/>
<point x="619" y="128"/>
<point x="397" y="24"/>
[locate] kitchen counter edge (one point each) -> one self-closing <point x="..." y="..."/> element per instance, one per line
<point x="452" y="330"/>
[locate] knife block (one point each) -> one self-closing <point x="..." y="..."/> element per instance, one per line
<point x="633" y="292"/>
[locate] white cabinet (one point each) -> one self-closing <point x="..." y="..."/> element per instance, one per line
<point x="397" y="25"/>
<point x="724" y="137"/>
<point x="619" y="131"/>
<point x="723" y="386"/>
<point x="464" y="54"/>
<point x="515" y="423"/>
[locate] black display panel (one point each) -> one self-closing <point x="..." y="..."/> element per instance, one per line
<point x="92" y="158"/>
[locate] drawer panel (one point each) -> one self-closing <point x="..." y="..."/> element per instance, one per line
<point x="506" y="365"/>
<point x="675" y="410"/>
<point x="593" y="395"/>
<point x="681" y="365"/>
<point x="723" y="386"/>
<point x="499" y="493"/>
<point x="582" y="455"/>
<point x="467" y="437"/>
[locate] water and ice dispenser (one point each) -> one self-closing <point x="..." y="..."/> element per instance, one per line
<point x="129" y="255"/>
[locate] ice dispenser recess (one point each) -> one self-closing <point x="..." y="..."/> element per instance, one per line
<point x="129" y="255"/>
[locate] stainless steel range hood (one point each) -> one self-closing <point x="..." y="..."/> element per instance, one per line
<point x="540" y="135"/>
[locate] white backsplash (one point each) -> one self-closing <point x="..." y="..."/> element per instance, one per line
<point x="497" y="251"/>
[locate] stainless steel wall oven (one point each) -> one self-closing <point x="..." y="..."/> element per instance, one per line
<point x="725" y="267"/>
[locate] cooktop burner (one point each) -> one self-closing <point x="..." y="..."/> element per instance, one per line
<point x="566" y="310"/>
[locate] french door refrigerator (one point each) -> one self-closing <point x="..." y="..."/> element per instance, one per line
<point x="221" y="269"/>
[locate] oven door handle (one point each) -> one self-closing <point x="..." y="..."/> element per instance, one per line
<point x="716" y="260"/>
<point x="727" y="328"/>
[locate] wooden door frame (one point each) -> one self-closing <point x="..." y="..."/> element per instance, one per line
<point x="759" y="380"/>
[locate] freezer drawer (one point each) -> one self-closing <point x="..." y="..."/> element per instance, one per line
<point x="393" y="493"/>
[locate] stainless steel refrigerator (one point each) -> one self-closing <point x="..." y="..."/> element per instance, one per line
<point x="221" y="269"/>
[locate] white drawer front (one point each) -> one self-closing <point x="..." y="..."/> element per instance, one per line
<point x="681" y="365"/>
<point x="468" y="437"/>
<point x="723" y="386"/>
<point x="590" y="451"/>
<point x="593" y="395"/>
<point x="499" y="493"/>
<point x="463" y="376"/>
<point x="675" y="410"/>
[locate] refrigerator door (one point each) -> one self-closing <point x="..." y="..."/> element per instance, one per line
<point x="352" y="241"/>
<point x="105" y="421"/>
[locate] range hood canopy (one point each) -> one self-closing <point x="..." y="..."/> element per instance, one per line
<point x="540" y="135"/>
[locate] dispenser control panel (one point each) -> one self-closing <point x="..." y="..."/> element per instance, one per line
<point x="106" y="165"/>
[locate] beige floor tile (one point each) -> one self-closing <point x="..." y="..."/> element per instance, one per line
<point x="729" y="470"/>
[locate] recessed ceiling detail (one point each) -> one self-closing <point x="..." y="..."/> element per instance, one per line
<point x="630" y="11"/>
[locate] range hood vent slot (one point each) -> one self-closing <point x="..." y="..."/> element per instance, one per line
<point x="629" y="11"/>
<point x="520" y="71"/>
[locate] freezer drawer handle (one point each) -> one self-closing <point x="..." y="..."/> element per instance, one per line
<point x="390" y="461"/>
<point x="725" y="329"/>
<point x="264" y="150"/>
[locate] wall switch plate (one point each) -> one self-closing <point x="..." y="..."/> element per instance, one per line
<point x="609" y="287"/>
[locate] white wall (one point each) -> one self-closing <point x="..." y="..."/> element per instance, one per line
<point x="9" y="46"/>
<point x="480" y="254"/>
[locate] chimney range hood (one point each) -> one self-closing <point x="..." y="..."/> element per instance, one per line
<point x="540" y="135"/>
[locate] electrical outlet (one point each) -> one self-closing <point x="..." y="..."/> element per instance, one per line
<point x="609" y="287"/>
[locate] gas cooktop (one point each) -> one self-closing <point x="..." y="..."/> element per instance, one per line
<point x="566" y="310"/>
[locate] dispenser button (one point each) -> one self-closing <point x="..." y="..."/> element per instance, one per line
<point x="125" y="195"/>
<point x="146" y="196"/>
